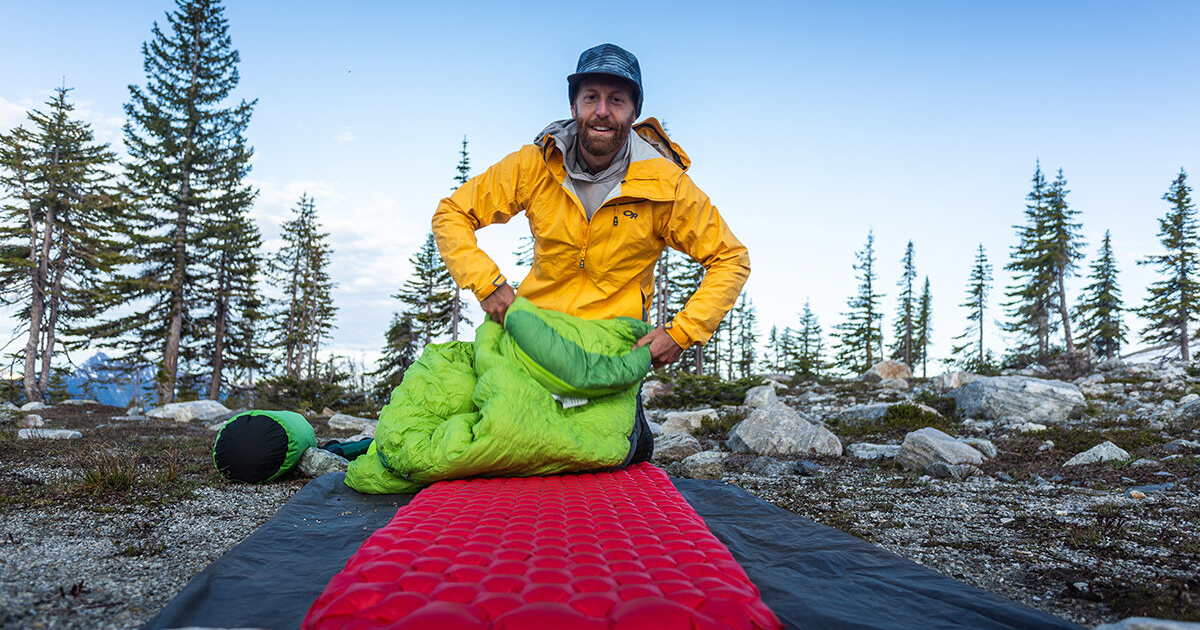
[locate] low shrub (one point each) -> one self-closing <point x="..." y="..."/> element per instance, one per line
<point x="691" y="391"/>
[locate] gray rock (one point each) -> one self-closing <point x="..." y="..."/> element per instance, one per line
<point x="654" y="389"/>
<point x="983" y="446"/>
<point x="893" y="383"/>
<point x="926" y="446"/>
<point x="804" y="469"/>
<point x="1037" y="400"/>
<point x="202" y="410"/>
<point x="864" y="450"/>
<point x="32" y="406"/>
<point x="345" y="422"/>
<point x="1028" y="427"/>
<point x="953" y="380"/>
<point x="957" y="472"/>
<point x="31" y="421"/>
<point x="676" y="446"/>
<point x="766" y="466"/>
<point x="1149" y="623"/>
<point x="1103" y="452"/>
<point x="318" y="461"/>
<point x="761" y="397"/>
<point x="705" y="465"/>
<point x="874" y="412"/>
<point x="8" y="406"/>
<point x="1151" y="488"/>
<point x="79" y="402"/>
<point x="48" y="434"/>
<point x="1182" y="445"/>
<point x="779" y="430"/>
<point x="1146" y="463"/>
<point x="655" y="428"/>
<point x="687" y="421"/>
<point x="1109" y="365"/>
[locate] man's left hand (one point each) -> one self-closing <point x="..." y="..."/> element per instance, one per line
<point x="663" y="349"/>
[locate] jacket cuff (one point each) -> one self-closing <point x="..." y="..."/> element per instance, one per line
<point x="497" y="282"/>
<point x="678" y="335"/>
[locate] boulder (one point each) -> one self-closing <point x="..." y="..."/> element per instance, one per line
<point x="32" y="406"/>
<point x="687" y="421"/>
<point x="1037" y="400"/>
<point x="79" y="402"/>
<point x="780" y="430"/>
<point x="705" y="465"/>
<point x="203" y="410"/>
<point x="48" y="434"/>
<point x="1102" y="452"/>
<point x="985" y="447"/>
<point x="885" y="370"/>
<point x="318" y="461"/>
<point x="346" y="422"/>
<point x="1028" y="427"/>
<point x="31" y="421"/>
<point x="654" y="389"/>
<point x="926" y="446"/>
<point x="804" y="469"/>
<point x="676" y="446"/>
<point x="898" y="384"/>
<point x="957" y="472"/>
<point x="864" y="450"/>
<point x="873" y="413"/>
<point x="761" y="397"/>
<point x="953" y="380"/>
<point x="8" y="406"/>
<point x="766" y="466"/>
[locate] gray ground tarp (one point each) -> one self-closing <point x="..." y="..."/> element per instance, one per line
<point x="812" y="576"/>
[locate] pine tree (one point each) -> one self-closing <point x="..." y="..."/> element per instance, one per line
<point x="906" y="310"/>
<point x="859" y="337"/>
<point x="1030" y="295"/>
<point x="305" y="312"/>
<point x="808" y="345"/>
<point x="1171" y="306"/>
<point x="972" y="354"/>
<point x="399" y="352"/>
<point x="228" y="332"/>
<point x="57" y="234"/>
<point x="457" y="306"/>
<point x="426" y="295"/>
<point x="1063" y="246"/>
<point x="189" y="157"/>
<point x="684" y="278"/>
<point x="1100" y="308"/>
<point x="924" y="328"/>
<point x="747" y="336"/>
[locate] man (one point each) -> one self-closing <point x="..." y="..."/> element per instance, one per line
<point x="603" y="197"/>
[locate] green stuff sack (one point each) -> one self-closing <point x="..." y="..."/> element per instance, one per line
<point x="259" y="446"/>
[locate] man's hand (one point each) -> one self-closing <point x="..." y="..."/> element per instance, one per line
<point x="496" y="304"/>
<point x="663" y="349"/>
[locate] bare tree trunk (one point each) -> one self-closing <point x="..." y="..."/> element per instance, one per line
<point x="1062" y="312"/>
<point x="1185" y="352"/>
<point x="37" y="276"/>
<point x="218" y="357"/>
<point x="662" y="289"/>
<point x="51" y="328"/>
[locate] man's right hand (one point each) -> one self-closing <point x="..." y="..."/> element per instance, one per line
<point x="496" y="304"/>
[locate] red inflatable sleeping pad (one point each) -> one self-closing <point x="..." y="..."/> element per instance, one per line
<point x="601" y="550"/>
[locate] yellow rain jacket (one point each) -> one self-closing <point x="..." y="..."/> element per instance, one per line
<point x="602" y="268"/>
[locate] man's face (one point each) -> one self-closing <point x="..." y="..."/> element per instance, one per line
<point x="604" y="110"/>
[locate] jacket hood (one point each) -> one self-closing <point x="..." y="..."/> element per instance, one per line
<point x="654" y="141"/>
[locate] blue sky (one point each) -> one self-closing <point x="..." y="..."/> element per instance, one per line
<point x="808" y="124"/>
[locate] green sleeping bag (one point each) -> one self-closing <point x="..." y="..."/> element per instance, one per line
<point x="259" y="446"/>
<point x="488" y="408"/>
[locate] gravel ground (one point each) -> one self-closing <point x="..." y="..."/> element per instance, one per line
<point x="82" y="568"/>
<point x="77" y="553"/>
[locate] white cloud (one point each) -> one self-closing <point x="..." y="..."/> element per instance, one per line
<point x="347" y="135"/>
<point x="11" y="114"/>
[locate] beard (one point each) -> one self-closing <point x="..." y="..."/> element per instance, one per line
<point x="604" y="145"/>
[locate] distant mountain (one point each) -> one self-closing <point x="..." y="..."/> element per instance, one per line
<point x="101" y="379"/>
